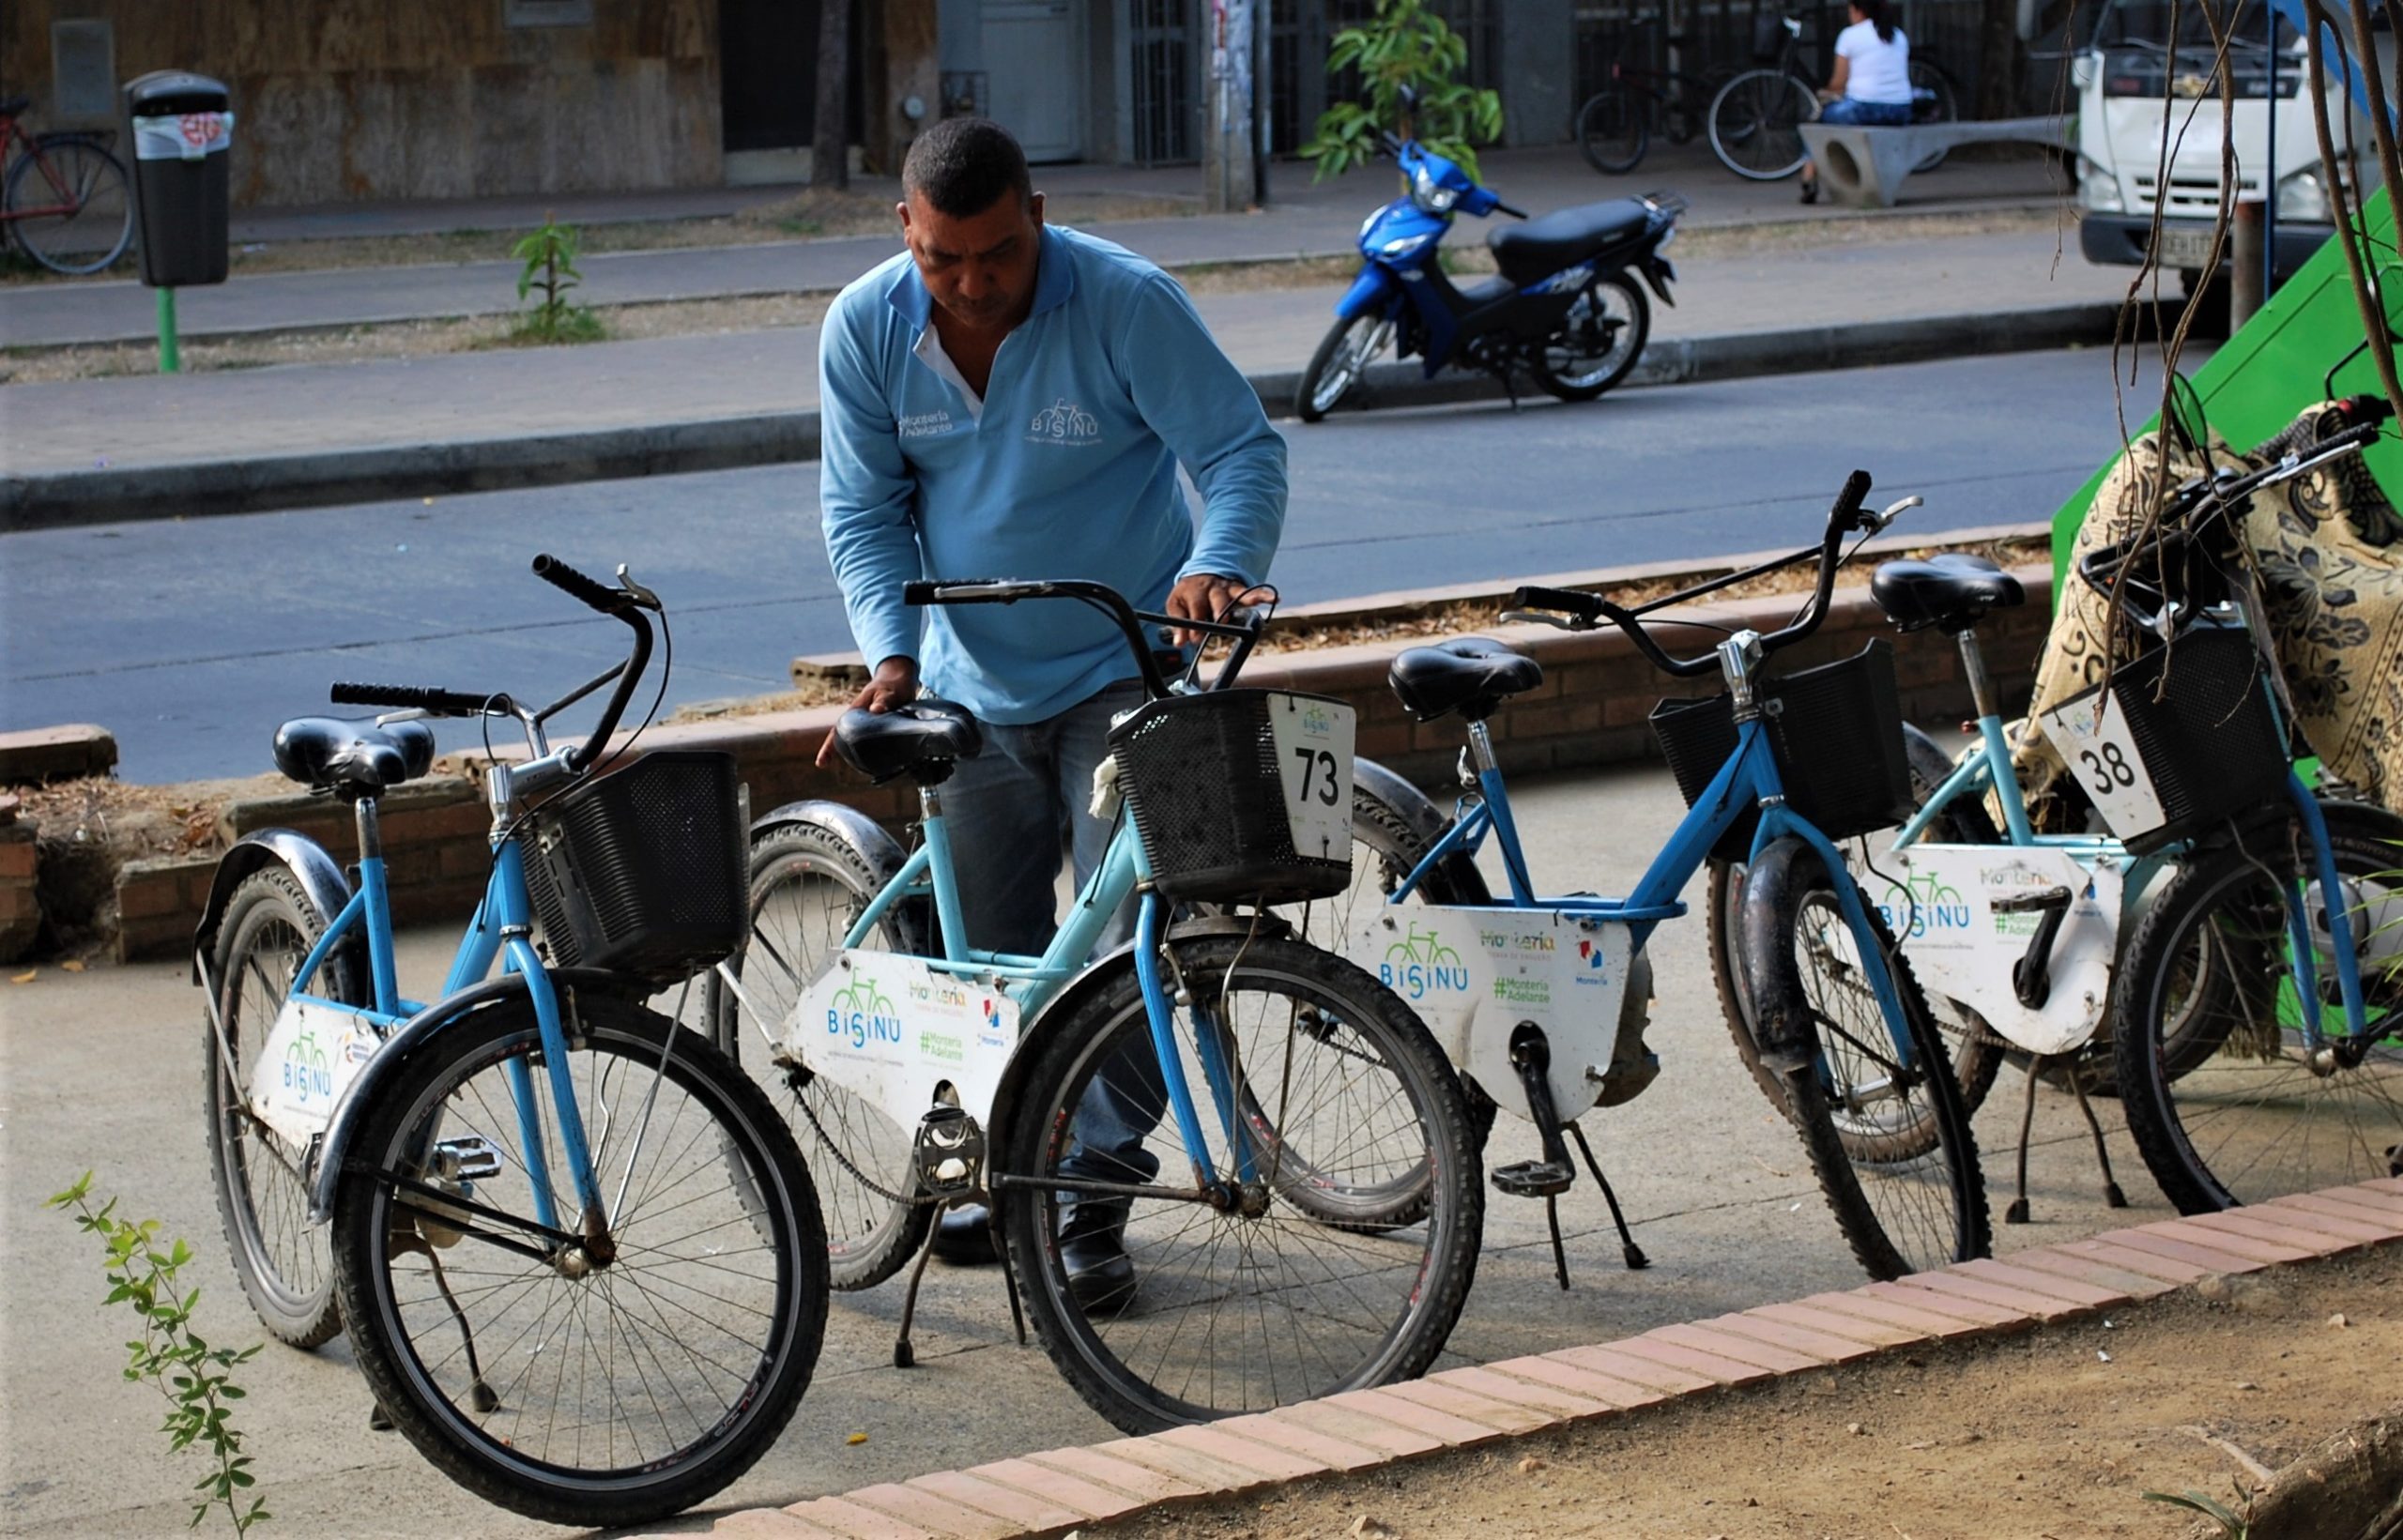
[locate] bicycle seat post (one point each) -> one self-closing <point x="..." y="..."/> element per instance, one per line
<point x="1973" y="668"/>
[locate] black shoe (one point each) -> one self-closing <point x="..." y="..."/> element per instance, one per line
<point x="1810" y="190"/>
<point x="1093" y="1250"/>
<point x="964" y="1236"/>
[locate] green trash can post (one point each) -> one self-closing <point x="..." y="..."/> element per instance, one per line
<point x="182" y="127"/>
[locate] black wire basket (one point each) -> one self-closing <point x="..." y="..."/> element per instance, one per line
<point x="1212" y="802"/>
<point x="1836" y="731"/>
<point x="2206" y="736"/>
<point x="643" y="870"/>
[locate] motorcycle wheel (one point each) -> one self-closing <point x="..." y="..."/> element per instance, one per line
<point x="1341" y="359"/>
<point x="1598" y="341"/>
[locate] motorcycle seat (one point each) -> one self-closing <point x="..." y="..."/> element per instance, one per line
<point x="920" y="739"/>
<point x="356" y="758"/>
<point x="1543" y="246"/>
<point x="1951" y="592"/>
<point x="1472" y="676"/>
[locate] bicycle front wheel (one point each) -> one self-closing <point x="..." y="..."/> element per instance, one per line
<point x="1932" y="101"/>
<point x="1612" y="132"/>
<point x="1247" y="1300"/>
<point x="2227" y="1102"/>
<point x="533" y="1369"/>
<point x="1756" y="124"/>
<point x="284" y="1262"/>
<point x="1887" y="1136"/>
<point x="67" y="206"/>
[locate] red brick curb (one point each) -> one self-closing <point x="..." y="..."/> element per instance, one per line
<point x="1059" y="1490"/>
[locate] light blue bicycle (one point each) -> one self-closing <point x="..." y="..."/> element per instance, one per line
<point x="1229" y="1171"/>
<point x="579" y="1257"/>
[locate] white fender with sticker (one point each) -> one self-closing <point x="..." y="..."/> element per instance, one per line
<point x="312" y="1053"/>
<point x="893" y="1030"/>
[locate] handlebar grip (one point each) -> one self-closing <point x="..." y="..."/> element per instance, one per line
<point x="2366" y="409"/>
<point x="410" y="697"/>
<point x="942" y="592"/>
<point x="1585" y="606"/>
<point x="558" y="575"/>
<point x="1505" y="209"/>
<point x="1846" y="514"/>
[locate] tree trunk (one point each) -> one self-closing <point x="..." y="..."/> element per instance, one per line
<point x="2001" y="58"/>
<point x="830" y="159"/>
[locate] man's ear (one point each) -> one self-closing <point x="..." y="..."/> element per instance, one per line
<point x="902" y="209"/>
<point x="1035" y="207"/>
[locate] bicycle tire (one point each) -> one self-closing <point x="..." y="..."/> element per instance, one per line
<point x="103" y="208"/>
<point x="1903" y="1183"/>
<point x="1611" y="131"/>
<point x="1334" y="371"/>
<point x="1755" y="124"/>
<point x="284" y="1262"/>
<point x="1276" y="1334"/>
<point x="1941" y="106"/>
<point x="1978" y="1050"/>
<point x="862" y="1159"/>
<point x="1628" y="336"/>
<point x="495" y="1437"/>
<point x="2226" y="1109"/>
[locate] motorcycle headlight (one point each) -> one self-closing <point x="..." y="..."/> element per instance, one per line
<point x="2305" y="197"/>
<point x="1429" y="194"/>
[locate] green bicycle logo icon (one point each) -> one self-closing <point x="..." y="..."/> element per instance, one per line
<point x="306" y="1071"/>
<point x="1420" y="964"/>
<point x="1924" y="903"/>
<point x="863" y="1013"/>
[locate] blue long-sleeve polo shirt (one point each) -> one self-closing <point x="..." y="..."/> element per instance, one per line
<point x="1068" y="469"/>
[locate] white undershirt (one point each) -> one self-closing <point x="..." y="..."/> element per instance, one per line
<point x="929" y="352"/>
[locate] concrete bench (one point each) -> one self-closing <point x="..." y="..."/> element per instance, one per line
<point x="1864" y="167"/>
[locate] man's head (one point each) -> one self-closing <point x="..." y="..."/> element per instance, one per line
<point x="973" y="220"/>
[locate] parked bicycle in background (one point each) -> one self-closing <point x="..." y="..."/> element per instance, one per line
<point x="1642" y="98"/>
<point x="1757" y="119"/>
<point x="65" y="201"/>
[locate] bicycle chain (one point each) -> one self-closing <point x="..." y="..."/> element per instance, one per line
<point x="846" y="1163"/>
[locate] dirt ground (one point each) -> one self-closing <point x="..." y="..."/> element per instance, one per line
<point x="2055" y="1432"/>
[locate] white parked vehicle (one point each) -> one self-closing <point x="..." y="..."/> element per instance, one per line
<point x="2149" y="104"/>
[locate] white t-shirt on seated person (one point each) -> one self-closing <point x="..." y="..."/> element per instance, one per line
<point x="1881" y="70"/>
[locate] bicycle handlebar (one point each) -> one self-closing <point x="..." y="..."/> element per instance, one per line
<point x="1843" y="518"/>
<point x="1130" y="620"/>
<point x="441" y="703"/>
<point x="559" y="575"/>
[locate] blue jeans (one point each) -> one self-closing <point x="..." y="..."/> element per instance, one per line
<point x="1869" y="115"/>
<point x="1011" y="811"/>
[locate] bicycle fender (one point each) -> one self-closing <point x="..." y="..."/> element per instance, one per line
<point x="1427" y="822"/>
<point x="1781" y="1026"/>
<point x="1097" y="976"/>
<point x="319" y="874"/>
<point x="326" y="1160"/>
<point x="869" y="840"/>
<point x="1375" y="289"/>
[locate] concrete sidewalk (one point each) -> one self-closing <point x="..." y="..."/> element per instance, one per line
<point x="1304" y="221"/>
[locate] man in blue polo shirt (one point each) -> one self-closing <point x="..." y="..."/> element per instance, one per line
<point x="1009" y="399"/>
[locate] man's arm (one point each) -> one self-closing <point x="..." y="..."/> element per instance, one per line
<point x="1207" y="414"/>
<point x="866" y="495"/>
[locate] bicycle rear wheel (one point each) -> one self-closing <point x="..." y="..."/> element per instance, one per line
<point x="1259" y="1302"/>
<point x="541" y="1376"/>
<point x="1889" y="1139"/>
<point x="1756" y="124"/>
<point x="1611" y="131"/>
<point x="1932" y="101"/>
<point x="69" y="207"/>
<point x="2222" y="1094"/>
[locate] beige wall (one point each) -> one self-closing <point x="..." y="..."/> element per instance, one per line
<point x="338" y="99"/>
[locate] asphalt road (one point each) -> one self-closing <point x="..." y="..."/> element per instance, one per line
<point x="102" y="1070"/>
<point x="190" y="640"/>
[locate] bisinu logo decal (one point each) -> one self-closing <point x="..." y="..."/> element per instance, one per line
<point x="1923" y="904"/>
<point x="306" y="1073"/>
<point x="863" y="1014"/>
<point x="1317" y="720"/>
<point x="1064" y="422"/>
<point x="1420" y="965"/>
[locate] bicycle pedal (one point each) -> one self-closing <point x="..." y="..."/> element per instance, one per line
<point x="2055" y="897"/>
<point x="1534" y="1178"/>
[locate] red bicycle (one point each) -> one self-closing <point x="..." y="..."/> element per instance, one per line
<point x="66" y="199"/>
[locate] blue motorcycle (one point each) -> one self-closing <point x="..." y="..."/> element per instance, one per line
<point x="1565" y="306"/>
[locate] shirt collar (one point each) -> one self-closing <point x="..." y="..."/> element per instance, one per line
<point x="1055" y="280"/>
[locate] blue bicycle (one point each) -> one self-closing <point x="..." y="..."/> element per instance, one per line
<point x="579" y="1257"/>
<point x="1229" y="1171"/>
<point x="1546" y="1011"/>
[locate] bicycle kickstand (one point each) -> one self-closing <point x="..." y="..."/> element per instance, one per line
<point x="904" y="1356"/>
<point x="2017" y="1212"/>
<point x="1548" y="1177"/>
<point x="1636" y="1260"/>
<point x="2112" y="1196"/>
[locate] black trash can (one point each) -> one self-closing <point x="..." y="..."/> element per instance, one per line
<point x="182" y="127"/>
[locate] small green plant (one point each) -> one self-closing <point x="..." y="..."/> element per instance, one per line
<point x="196" y="1378"/>
<point x="2232" y="1525"/>
<point x="549" y="255"/>
<point x="1404" y="48"/>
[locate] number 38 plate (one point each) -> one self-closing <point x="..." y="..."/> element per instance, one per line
<point x="2093" y="737"/>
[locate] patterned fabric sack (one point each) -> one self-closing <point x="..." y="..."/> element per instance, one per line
<point x="2329" y="549"/>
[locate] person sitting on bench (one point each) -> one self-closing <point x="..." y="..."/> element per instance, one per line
<point x="1872" y="84"/>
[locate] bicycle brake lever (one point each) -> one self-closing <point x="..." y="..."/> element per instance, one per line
<point x="1537" y="618"/>
<point x="1877" y="522"/>
<point x="642" y="596"/>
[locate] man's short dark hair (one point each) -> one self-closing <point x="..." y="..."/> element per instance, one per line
<point x="963" y="165"/>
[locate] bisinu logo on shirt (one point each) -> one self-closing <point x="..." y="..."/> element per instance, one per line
<point x="1064" y="422"/>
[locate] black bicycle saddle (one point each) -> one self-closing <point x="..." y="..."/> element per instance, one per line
<point x="358" y="759"/>
<point x="922" y="739"/>
<point x="1472" y="676"/>
<point x="1951" y="592"/>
